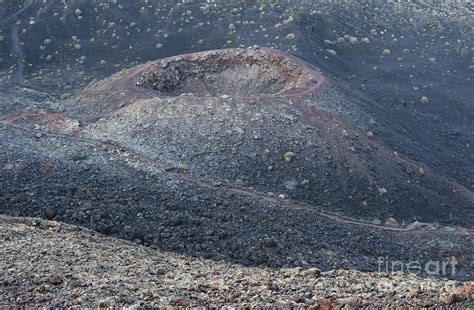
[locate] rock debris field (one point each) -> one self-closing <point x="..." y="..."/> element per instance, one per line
<point x="65" y="266"/>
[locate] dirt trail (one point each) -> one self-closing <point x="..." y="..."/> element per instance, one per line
<point x="208" y="184"/>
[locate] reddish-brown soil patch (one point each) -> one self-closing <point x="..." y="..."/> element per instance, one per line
<point x="34" y="118"/>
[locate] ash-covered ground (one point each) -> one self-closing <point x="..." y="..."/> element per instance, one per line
<point x="314" y="134"/>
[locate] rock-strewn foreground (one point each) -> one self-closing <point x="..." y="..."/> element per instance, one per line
<point x="54" y="264"/>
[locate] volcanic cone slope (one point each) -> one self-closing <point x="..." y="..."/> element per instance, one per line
<point x="254" y="118"/>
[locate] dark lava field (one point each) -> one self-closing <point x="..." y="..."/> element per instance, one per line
<point x="276" y="133"/>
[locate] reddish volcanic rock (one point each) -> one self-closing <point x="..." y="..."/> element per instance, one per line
<point x="38" y="119"/>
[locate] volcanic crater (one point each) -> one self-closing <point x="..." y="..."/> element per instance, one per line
<point x="260" y="73"/>
<point x="238" y="72"/>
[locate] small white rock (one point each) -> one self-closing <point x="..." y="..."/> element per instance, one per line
<point x="353" y="40"/>
<point x="424" y="100"/>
